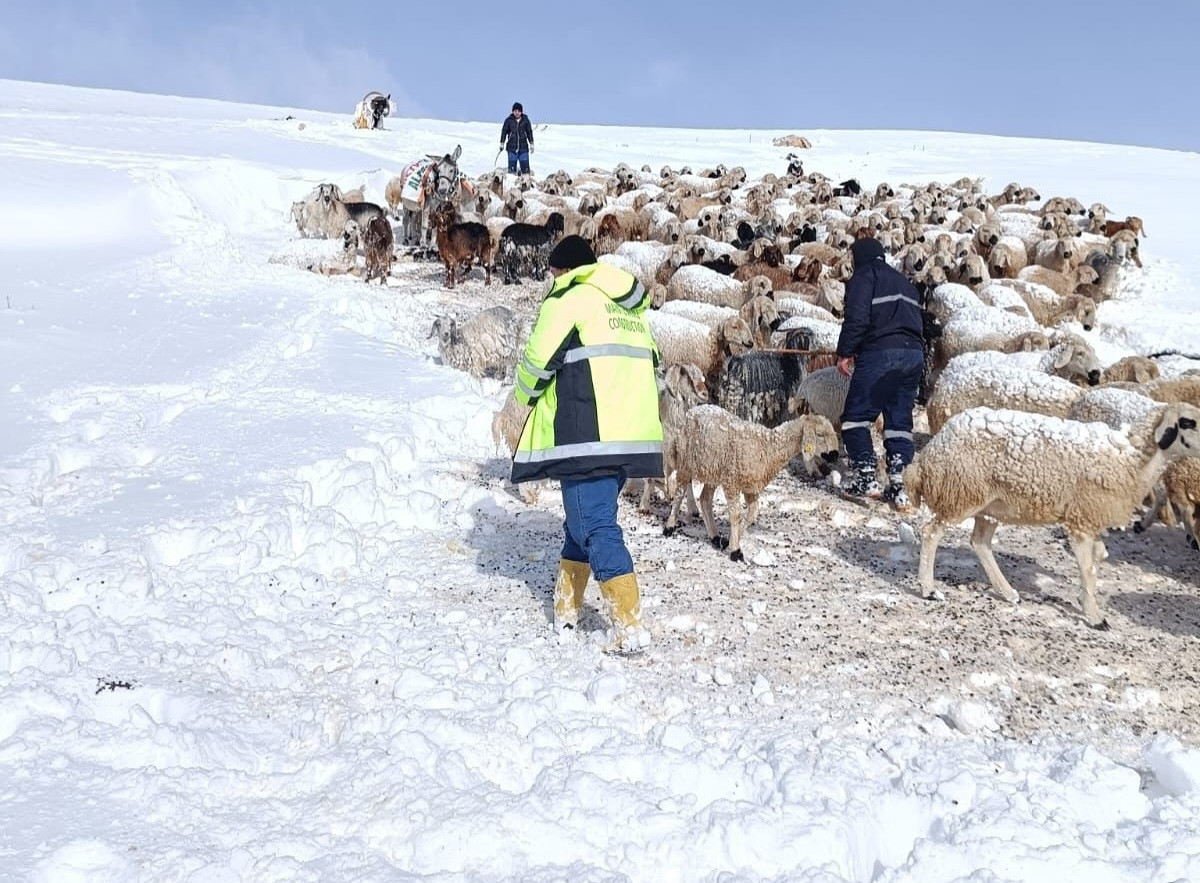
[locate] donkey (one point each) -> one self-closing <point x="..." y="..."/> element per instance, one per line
<point x="428" y="183"/>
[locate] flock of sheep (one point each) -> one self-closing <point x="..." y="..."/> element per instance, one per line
<point x="748" y="281"/>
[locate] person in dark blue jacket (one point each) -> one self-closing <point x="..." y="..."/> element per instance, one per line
<point x="881" y="350"/>
<point x="516" y="136"/>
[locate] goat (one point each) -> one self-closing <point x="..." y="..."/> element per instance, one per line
<point x="459" y="243"/>
<point x="524" y="249"/>
<point x="379" y="246"/>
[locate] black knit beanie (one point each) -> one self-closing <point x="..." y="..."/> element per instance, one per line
<point x="517" y="106"/>
<point x="571" y="252"/>
<point x="865" y="251"/>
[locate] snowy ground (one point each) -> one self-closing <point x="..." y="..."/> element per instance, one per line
<point x="269" y="613"/>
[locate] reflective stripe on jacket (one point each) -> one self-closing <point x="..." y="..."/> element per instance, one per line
<point x="588" y="371"/>
<point x="882" y="310"/>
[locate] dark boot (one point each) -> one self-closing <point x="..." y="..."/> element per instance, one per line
<point x="862" y="481"/>
<point x="894" y="493"/>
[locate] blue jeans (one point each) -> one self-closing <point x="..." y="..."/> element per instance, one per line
<point x="591" y="529"/>
<point x="884" y="382"/>
<point x="514" y="158"/>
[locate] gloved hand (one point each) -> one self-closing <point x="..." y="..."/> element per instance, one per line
<point x="531" y="150"/>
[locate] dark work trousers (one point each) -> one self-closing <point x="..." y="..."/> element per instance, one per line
<point x="884" y="382"/>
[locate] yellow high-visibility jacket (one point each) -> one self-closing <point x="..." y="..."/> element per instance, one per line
<point x="588" y="371"/>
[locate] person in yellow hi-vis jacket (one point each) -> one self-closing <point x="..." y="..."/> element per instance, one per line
<point x="589" y="373"/>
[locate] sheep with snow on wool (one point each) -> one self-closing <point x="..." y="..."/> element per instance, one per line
<point x="1005" y="466"/>
<point x="1002" y="295"/>
<point x="1071" y="358"/>
<point x="683" y="388"/>
<point x="486" y="345"/>
<point x="718" y="449"/>
<point x="1138" y="369"/>
<point x="981" y="328"/>
<point x="706" y="314"/>
<point x="693" y="282"/>
<point x="822" y="335"/>
<point x="682" y="341"/>
<point x="974" y="385"/>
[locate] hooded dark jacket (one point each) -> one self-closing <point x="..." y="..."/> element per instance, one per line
<point x="883" y="309"/>
<point x="517" y="136"/>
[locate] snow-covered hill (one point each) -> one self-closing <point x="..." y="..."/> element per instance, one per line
<point x="267" y="612"/>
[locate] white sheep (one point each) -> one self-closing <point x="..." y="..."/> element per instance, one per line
<point x="1138" y="369"/>
<point x="949" y="298"/>
<point x="683" y="387"/>
<point x="1007" y="258"/>
<point x="1006" y="466"/>
<point x="642" y="259"/>
<point x="824" y="392"/>
<point x="706" y="314"/>
<point x="998" y="293"/>
<point x="507" y="424"/>
<point x="965" y="386"/>
<point x="823" y="335"/>
<point x="793" y="307"/>
<point x="1062" y="283"/>
<point x="486" y="345"/>
<point x="983" y="328"/>
<point x="698" y="283"/>
<point x="1070" y="358"/>
<point x="1049" y="307"/>
<point x="683" y="341"/>
<point x="720" y="450"/>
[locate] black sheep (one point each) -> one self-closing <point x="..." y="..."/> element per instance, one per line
<point x="524" y="249"/>
<point x="850" y="187"/>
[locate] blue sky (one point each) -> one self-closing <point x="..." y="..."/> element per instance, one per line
<point x="1099" y="71"/>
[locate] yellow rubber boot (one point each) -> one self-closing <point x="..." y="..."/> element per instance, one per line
<point x="568" y="591"/>
<point x="623" y="601"/>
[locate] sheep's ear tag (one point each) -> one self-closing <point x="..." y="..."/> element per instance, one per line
<point x="809" y="449"/>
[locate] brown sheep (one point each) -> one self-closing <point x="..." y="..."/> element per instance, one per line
<point x="1132" y="223"/>
<point x="608" y="236"/>
<point x="379" y="245"/>
<point x="461" y="243"/>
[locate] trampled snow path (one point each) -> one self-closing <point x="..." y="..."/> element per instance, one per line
<point x="265" y="616"/>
